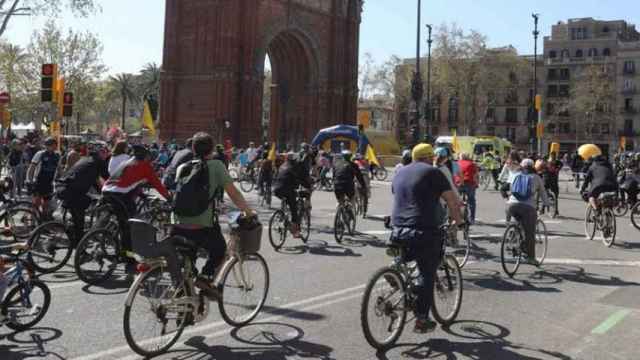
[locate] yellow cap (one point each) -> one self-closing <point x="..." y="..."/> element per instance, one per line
<point x="587" y="151"/>
<point x="422" y="151"/>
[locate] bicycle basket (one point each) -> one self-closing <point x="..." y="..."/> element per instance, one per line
<point x="143" y="238"/>
<point x="244" y="240"/>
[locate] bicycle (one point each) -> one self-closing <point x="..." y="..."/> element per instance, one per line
<point x="170" y="309"/>
<point x="514" y="244"/>
<point x="380" y="173"/>
<point x="550" y="210"/>
<point x="265" y="197"/>
<point x="344" y="220"/>
<point x="27" y="302"/>
<point x="248" y="179"/>
<point x="361" y="201"/>
<point x="323" y="181"/>
<point x="19" y="218"/>
<point x="485" y="178"/>
<point x="393" y="291"/>
<point x="603" y="220"/>
<point x="280" y="222"/>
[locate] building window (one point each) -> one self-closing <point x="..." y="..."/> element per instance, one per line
<point x="564" y="112"/>
<point x="491" y="115"/>
<point x="552" y="74"/>
<point x="491" y="131"/>
<point x="593" y="52"/>
<point x="564" y="54"/>
<point x="551" y="128"/>
<point x="606" y="52"/>
<point x="552" y="91"/>
<point x="579" y="53"/>
<point x="628" y="127"/>
<point x="512" y="97"/>
<point x="550" y="109"/>
<point x="565" y="128"/>
<point x="553" y="54"/>
<point x="628" y="104"/>
<point x="564" y="74"/>
<point x="453" y="110"/>
<point x="511" y="116"/>
<point x="629" y="67"/>
<point x="605" y="29"/>
<point x="563" y="90"/>
<point x="604" y="129"/>
<point x="629" y="86"/>
<point x="511" y="134"/>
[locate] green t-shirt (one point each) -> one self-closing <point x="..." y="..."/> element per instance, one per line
<point x="218" y="178"/>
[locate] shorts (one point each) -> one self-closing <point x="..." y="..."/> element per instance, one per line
<point x="341" y="193"/>
<point x="597" y="191"/>
<point x="43" y="188"/>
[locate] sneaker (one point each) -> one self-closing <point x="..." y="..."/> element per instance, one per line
<point x="212" y="293"/>
<point x="424" y="326"/>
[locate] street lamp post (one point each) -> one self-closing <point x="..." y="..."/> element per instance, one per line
<point x="537" y="111"/>
<point x="428" y="111"/>
<point x="417" y="89"/>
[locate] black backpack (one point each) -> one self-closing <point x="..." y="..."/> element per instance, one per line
<point x="192" y="185"/>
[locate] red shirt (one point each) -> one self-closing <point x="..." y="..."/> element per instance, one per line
<point x="469" y="170"/>
<point x="133" y="175"/>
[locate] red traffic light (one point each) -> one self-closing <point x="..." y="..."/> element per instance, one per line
<point x="67" y="98"/>
<point x="48" y="69"/>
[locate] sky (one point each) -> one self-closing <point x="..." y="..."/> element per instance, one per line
<point x="132" y="31"/>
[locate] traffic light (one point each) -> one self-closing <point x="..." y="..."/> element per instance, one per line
<point x="67" y="105"/>
<point x="49" y="76"/>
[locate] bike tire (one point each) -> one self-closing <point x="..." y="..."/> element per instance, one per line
<point x="448" y="279"/>
<point x="621" y="209"/>
<point x="462" y="252"/>
<point x="635" y="215"/>
<point x="610" y="221"/>
<point x="278" y="229"/>
<point x="138" y="286"/>
<point x="542" y="241"/>
<point x="223" y="284"/>
<point x="386" y="274"/>
<point x="27" y="221"/>
<point x="590" y="223"/>
<point x="101" y="236"/>
<point x="49" y="248"/>
<point x="15" y="296"/>
<point x="339" y="226"/>
<point x="510" y="249"/>
<point x="351" y="221"/>
<point x="305" y="225"/>
<point x="247" y="185"/>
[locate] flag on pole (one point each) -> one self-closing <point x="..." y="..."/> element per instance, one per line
<point x="272" y="153"/>
<point x="454" y="143"/>
<point x="371" y="156"/>
<point x="147" y="119"/>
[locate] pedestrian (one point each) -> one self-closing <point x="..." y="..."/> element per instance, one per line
<point x="469" y="179"/>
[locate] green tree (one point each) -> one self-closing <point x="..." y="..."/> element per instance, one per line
<point x="592" y="98"/>
<point x="149" y="81"/>
<point x="15" y="78"/>
<point x="124" y="86"/>
<point x="11" y="8"/>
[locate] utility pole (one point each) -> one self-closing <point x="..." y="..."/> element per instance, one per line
<point x="537" y="103"/>
<point x="417" y="89"/>
<point x="428" y="111"/>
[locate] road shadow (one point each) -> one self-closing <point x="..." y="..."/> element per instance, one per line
<point x="30" y="344"/>
<point x="292" y="313"/>
<point x="114" y="286"/>
<point x="480" y="340"/>
<point x="578" y="274"/>
<point x="267" y="341"/>
<point x="59" y="277"/>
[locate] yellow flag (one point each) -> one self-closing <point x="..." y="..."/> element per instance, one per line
<point x="272" y="153"/>
<point x="371" y="156"/>
<point x="454" y="143"/>
<point x="623" y="143"/>
<point x="147" y="119"/>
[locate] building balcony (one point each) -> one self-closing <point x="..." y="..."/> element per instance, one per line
<point x="628" y="110"/>
<point x="629" y="91"/>
<point x="629" y="72"/>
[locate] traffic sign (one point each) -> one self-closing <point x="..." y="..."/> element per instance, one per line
<point x="5" y="97"/>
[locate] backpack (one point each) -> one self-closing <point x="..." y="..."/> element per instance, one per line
<point x="521" y="188"/>
<point x="190" y="187"/>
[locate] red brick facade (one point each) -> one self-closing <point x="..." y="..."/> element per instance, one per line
<point x="213" y="67"/>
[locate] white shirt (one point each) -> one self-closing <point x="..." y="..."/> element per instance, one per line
<point x="252" y="153"/>
<point x="116" y="161"/>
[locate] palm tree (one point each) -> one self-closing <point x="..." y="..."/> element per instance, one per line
<point x="149" y="80"/>
<point x="123" y="85"/>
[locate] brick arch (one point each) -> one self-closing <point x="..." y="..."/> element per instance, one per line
<point x="213" y="65"/>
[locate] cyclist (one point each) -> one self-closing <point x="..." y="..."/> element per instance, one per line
<point x="17" y="166"/>
<point x="440" y="160"/>
<point x="118" y="156"/>
<point x="600" y="178"/>
<point x="41" y="174"/>
<point x="469" y="182"/>
<point x="551" y="177"/>
<point x="180" y="157"/>
<point x="204" y="229"/>
<point x="72" y="188"/>
<point x="365" y="192"/>
<point x="525" y="186"/>
<point x="344" y="173"/>
<point x="290" y="177"/>
<point x="490" y="164"/>
<point x="122" y="187"/>
<point x="417" y="190"/>
<point x="265" y="173"/>
<point x="509" y="171"/>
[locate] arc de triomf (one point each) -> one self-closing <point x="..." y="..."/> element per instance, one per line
<point x="213" y="67"/>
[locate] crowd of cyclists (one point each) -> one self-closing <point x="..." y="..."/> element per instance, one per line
<point x="430" y="187"/>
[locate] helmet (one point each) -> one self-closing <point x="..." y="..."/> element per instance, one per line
<point x="587" y="151"/>
<point x="346" y="154"/>
<point x="526" y="163"/>
<point x="140" y="152"/>
<point x="441" y="152"/>
<point x="50" y="141"/>
<point x="539" y="166"/>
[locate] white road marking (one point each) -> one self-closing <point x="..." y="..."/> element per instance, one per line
<point x="376" y="232"/>
<point x="210" y="326"/>
<point x="567" y="261"/>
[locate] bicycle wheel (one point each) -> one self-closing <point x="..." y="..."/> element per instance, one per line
<point x="51" y="247"/>
<point x="510" y="252"/>
<point x="553" y="208"/>
<point x="590" y="222"/>
<point x="381" y="174"/>
<point x="461" y="249"/>
<point x="350" y="221"/>
<point x="542" y="241"/>
<point x="621" y="208"/>
<point x="305" y="225"/>
<point x="97" y="256"/>
<point x="609" y="230"/>
<point x="339" y="226"/>
<point x="447" y="291"/>
<point x="635" y="215"/>
<point x="26" y="304"/>
<point x="152" y="320"/>
<point x="485" y="181"/>
<point x="383" y="312"/>
<point x="245" y="285"/>
<point x="247" y="184"/>
<point x="278" y="229"/>
<point x="20" y="221"/>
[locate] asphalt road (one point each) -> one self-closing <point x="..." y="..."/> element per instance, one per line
<point x="581" y="304"/>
